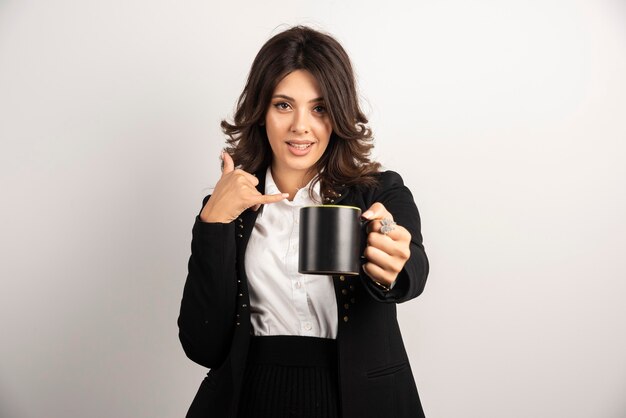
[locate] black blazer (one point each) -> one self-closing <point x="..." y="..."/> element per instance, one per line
<point x="375" y="379"/>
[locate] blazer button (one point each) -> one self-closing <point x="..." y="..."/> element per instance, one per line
<point x="342" y="278"/>
<point x="344" y="292"/>
<point x="240" y="236"/>
<point x="345" y="318"/>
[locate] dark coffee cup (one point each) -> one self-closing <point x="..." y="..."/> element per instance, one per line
<point x="330" y="238"/>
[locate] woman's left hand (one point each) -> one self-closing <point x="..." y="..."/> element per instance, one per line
<point x="386" y="254"/>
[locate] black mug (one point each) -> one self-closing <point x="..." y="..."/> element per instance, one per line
<point x="330" y="240"/>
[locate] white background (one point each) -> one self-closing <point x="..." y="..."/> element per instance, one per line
<point x="507" y="119"/>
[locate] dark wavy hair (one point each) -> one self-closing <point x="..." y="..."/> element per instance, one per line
<point x="345" y="161"/>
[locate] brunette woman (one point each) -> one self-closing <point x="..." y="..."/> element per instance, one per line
<point x="280" y="343"/>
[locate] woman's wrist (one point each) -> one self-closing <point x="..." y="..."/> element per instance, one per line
<point x="209" y="215"/>
<point x="383" y="286"/>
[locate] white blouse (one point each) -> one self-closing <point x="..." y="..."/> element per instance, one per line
<point x="283" y="301"/>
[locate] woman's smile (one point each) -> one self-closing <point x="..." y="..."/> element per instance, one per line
<point x="300" y="148"/>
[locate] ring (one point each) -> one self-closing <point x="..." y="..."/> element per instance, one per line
<point x="387" y="225"/>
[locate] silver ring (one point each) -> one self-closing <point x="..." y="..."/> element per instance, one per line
<point x="387" y="225"/>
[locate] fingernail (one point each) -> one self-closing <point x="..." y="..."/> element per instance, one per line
<point x="285" y="194"/>
<point x="367" y="214"/>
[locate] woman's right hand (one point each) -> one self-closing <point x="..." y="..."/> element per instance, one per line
<point x="235" y="192"/>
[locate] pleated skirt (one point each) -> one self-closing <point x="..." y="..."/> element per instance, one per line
<point x="290" y="376"/>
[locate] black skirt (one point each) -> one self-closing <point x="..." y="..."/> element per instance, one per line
<point x="290" y="376"/>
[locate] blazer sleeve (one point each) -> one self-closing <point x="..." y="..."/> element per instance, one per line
<point x="208" y="304"/>
<point x="398" y="200"/>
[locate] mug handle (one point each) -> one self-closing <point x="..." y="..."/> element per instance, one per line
<point x="364" y="224"/>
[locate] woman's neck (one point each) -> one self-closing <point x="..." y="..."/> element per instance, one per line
<point x="290" y="181"/>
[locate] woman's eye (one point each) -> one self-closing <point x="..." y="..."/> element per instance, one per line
<point x="319" y="109"/>
<point x="282" y="105"/>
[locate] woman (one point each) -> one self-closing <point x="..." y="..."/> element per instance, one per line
<point x="280" y="343"/>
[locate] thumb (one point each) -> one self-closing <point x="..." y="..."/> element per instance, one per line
<point x="376" y="211"/>
<point x="228" y="165"/>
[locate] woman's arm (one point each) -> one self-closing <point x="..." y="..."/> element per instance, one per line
<point x="207" y="310"/>
<point x="398" y="201"/>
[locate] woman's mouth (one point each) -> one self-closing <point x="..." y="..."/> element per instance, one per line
<point x="299" y="146"/>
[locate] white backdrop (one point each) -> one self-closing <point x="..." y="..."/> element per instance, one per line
<point x="506" y="119"/>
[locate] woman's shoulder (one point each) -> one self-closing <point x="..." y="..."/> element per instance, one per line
<point x="388" y="179"/>
<point x="386" y="183"/>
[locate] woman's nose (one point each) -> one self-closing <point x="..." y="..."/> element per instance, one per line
<point x="300" y="123"/>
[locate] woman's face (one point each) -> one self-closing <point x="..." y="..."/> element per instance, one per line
<point x="298" y="126"/>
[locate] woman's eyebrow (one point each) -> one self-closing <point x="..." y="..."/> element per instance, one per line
<point x="284" y="96"/>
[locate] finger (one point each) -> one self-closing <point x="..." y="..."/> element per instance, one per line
<point x="251" y="178"/>
<point x="228" y="165"/>
<point x="398" y="233"/>
<point x="384" y="243"/>
<point x="375" y="226"/>
<point x="265" y="199"/>
<point x="377" y="211"/>
<point x="383" y="260"/>
<point x="378" y="274"/>
<point x="379" y="258"/>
